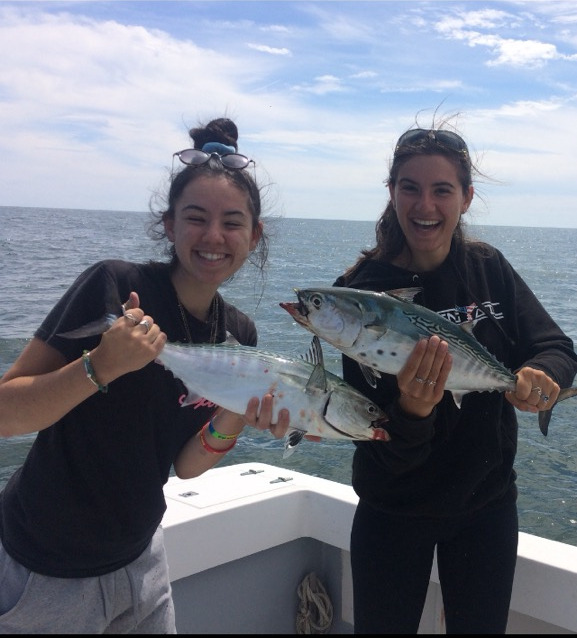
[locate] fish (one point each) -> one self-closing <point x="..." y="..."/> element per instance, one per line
<point x="380" y="329"/>
<point x="321" y="404"/>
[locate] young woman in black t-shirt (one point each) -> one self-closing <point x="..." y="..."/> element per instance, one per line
<point x="81" y="544"/>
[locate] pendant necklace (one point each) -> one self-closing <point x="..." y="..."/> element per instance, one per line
<point x="213" y="315"/>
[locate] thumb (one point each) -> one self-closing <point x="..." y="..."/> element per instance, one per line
<point x="132" y="302"/>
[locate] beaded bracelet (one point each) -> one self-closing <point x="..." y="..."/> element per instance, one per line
<point x="218" y="435"/>
<point x="90" y="372"/>
<point x="209" y="448"/>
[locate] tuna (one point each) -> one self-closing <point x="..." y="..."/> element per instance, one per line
<point x="380" y="330"/>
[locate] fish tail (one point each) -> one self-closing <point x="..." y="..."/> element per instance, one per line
<point x="545" y="415"/>
<point x="90" y="329"/>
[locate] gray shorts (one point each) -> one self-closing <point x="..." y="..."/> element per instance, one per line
<point x="134" y="599"/>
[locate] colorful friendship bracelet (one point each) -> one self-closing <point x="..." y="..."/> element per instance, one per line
<point x="218" y="435"/>
<point x="209" y="448"/>
<point x="90" y="372"/>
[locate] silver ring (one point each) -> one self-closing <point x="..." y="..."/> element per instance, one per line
<point x="431" y="382"/>
<point x="146" y="324"/>
<point x="129" y="315"/>
<point x="545" y="398"/>
<point x="419" y="380"/>
<point x="537" y="389"/>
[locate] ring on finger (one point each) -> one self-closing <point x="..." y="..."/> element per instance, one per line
<point x="419" y="380"/>
<point x="430" y="382"/>
<point x="545" y="398"/>
<point x="129" y="315"/>
<point x="537" y="389"/>
<point x="146" y="324"/>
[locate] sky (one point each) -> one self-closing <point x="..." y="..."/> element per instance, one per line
<point x="95" y="97"/>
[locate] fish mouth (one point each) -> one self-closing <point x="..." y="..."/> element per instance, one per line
<point x="296" y="310"/>
<point x="379" y="431"/>
<point x="380" y="434"/>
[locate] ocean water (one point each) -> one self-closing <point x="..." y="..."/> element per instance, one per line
<point x="43" y="250"/>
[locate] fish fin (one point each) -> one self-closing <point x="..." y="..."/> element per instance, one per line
<point x="371" y="375"/>
<point x="373" y="324"/>
<point x="90" y="329"/>
<point x="545" y="415"/>
<point x="189" y="399"/>
<point x="544" y="418"/>
<point x="404" y="294"/>
<point x="457" y="398"/>
<point x="292" y="439"/>
<point x="314" y="354"/>
<point x="317" y="381"/>
<point x="467" y="326"/>
<point x="566" y="393"/>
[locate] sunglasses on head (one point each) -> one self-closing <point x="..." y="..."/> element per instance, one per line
<point x="196" y="157"/>
<point x="447" y="139"/>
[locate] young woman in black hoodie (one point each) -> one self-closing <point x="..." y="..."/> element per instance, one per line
<point x="445" y="481"/>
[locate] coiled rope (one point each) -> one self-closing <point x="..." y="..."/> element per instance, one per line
<point x="315" y="615"/>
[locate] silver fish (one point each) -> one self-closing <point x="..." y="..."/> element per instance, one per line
<point x="380" y="330"/>
<point x="321" y="404"/>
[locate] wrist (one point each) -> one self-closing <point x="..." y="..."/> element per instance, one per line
<point x="413" y="408"/>
<point x="221" y="436"/>
<point x="216" y="445"/>
<point x="90" y="372"/>
<point x="225" y="424"/>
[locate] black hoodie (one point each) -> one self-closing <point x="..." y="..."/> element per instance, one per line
<point x="456" y="460"/>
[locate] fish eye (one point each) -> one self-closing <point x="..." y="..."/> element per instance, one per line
<point x="316" y="301"/>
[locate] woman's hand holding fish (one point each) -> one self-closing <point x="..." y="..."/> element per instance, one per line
<point x="133" y="341"/>
<point x="261" y="419"/>
<point x="423" y="377"/>
<point x="535" y="391"/>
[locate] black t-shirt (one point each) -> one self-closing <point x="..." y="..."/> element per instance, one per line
<point x="89" y="495"/>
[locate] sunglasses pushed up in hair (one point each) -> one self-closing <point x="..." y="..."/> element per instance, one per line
<point x="445" y="139"/>
<point x="196" y="157"/>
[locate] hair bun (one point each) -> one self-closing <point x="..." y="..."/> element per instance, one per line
<point x="220" y="130"/>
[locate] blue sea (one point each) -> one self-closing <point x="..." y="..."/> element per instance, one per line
<point x="43" y="250"/>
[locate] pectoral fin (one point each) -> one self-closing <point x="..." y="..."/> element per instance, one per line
<point x="371" y="375"/>
<point x="292" y="438"/>
<point x="457" y="398"/>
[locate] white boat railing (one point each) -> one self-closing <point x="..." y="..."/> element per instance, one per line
<point x="268" y="507"/>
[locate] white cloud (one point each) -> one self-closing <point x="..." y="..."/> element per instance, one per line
<point x="322" y="86"/>
<point x="92" y="109"/>
<point x="267" y="49"/>
<point x="520" y="52"/>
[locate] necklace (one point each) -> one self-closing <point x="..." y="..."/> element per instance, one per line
<point x="212" y="317"/>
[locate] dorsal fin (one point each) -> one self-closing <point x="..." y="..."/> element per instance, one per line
<point x="314" y="354"/>
<point x="404" y="294"/>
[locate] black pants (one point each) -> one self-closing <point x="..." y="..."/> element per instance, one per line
<point x="392" y="557"/>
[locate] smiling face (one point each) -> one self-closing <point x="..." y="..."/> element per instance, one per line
<point x="212" y="230"/>
<point x="429" y="200"/>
